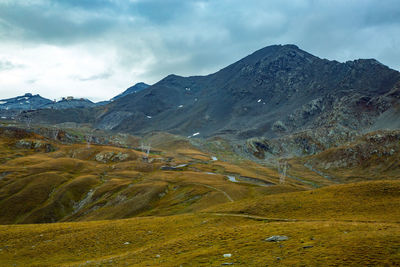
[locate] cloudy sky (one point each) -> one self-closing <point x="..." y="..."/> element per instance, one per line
<point x="98" y="48"/>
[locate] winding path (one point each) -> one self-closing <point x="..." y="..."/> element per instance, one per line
<point x="216" y="189"/>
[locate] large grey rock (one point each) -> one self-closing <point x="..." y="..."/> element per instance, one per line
<point x="276" y="238"/>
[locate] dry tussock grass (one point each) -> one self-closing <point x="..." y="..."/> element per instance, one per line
<point x="190" y="220"/>
<point x="199" y="240"/>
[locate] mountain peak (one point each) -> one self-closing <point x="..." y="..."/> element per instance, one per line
<point x="271" y="59"/>
<point x="141" y="84"/>
<point x="277" y="89"/>
<point x="275" y="51"/>
<point x="282" y="47"/>
<point x="133" y="89"/>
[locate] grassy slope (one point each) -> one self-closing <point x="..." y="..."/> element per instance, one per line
<point x="352" y="224"/>
<point x="199" y="240"/>
<point x="364" y="201"/>
<point x="341" y="223"/>
<point x="73" y="183"/>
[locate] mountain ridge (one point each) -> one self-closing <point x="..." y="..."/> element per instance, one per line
<point x="270" y="75"/>
<point x="10" y="107"/>
<point x="131" y="90"/>
<point x="279" y="92"/>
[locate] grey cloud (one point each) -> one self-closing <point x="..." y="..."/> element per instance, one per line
<point x="36" y="25"/>
<point x="100" y="76"/>
<point x="86" y="4"/>
<point x="8" y="65"/>
<point x="31" y="81"/>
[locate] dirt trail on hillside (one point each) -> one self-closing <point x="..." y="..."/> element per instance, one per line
<point x="261" y="218"/>
<point x="216" y="189"/>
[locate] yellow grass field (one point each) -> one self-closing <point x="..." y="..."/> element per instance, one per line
<point x="94" y="205"/>
<point x="200" y="240"/>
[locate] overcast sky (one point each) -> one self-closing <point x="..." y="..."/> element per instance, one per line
<point x="98" y="48"/>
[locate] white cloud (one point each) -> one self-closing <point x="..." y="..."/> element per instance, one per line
<point x="54" y="71"/>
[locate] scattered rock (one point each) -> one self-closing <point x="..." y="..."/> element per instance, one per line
<point x="279" y="126"/>
<point x="120" y="157"/>
<point x="4" y="174"/>
<point x="35" y="145"/>
<point x="232" y="179"/>
<point x="110" y="156"/>
<point x="24" y="144"/>
<point x="171" y="168"/>
<point x="276" y="238"/>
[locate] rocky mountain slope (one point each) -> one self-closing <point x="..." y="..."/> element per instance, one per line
<point x="67" y="103"/>
<point x="25" y="102"/>
<point x="278" y="101"/>
<point x="275" y="91"/>
<point x="12" y="106"/>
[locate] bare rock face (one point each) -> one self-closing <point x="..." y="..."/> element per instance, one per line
<point x="111" y="157"/>
<point x="277" y="238"/>
<point x="377" y="146"/>
<point x="113" y="119"/>
<point x="302" y="143"/>
<point x="36" y="145"/>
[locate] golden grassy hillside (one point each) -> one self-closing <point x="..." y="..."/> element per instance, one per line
<point x="114" y="206"/>
<point x="46" y="181"/>
<point x="200" y="240"/>
<point x="376" y="201"/>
